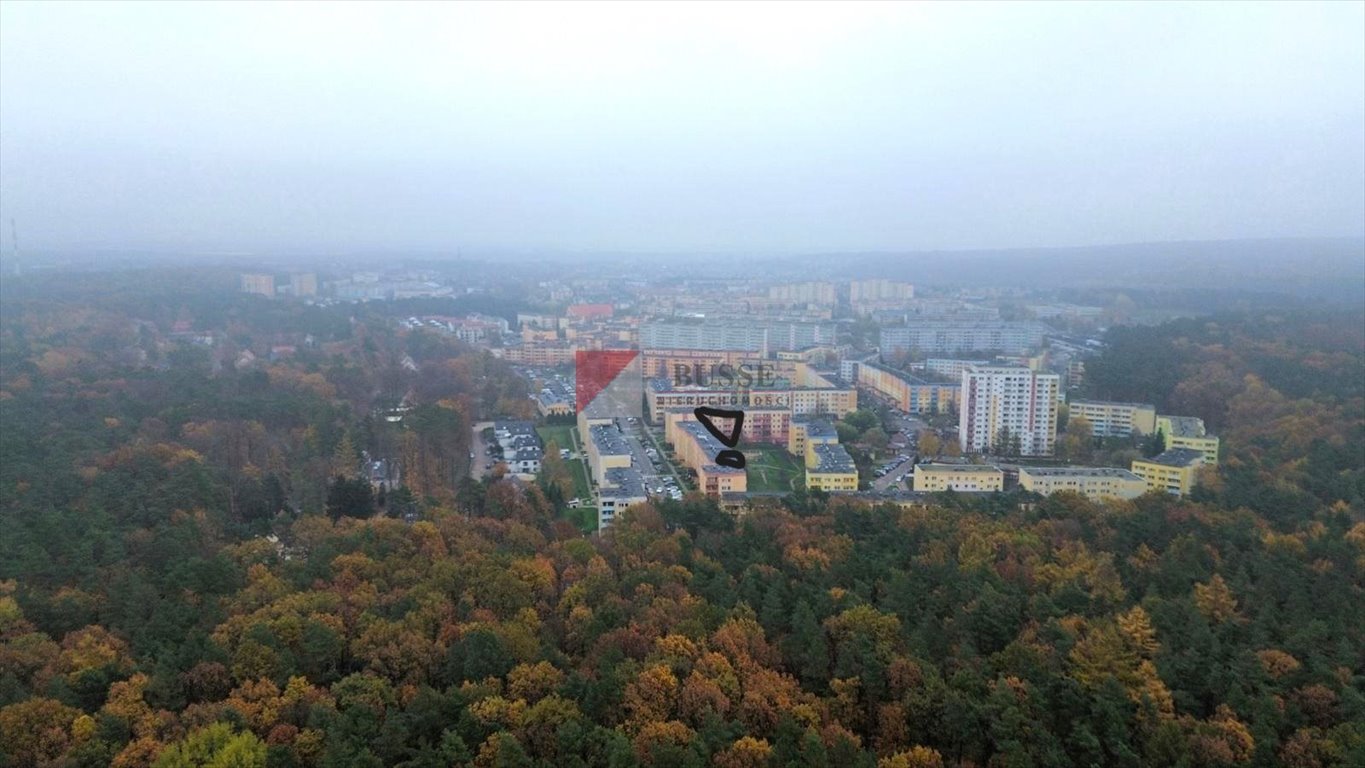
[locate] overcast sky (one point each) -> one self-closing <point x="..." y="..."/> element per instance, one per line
<point x="717" y="127"/>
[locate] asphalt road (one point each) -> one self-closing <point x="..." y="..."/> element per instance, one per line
<point x="890" y="478"/>
<point x="909" y="426"/>
<point x="638" y="441"/>
<point x="480" y="451"/>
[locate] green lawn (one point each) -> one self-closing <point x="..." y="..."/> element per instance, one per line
<point x="563" y="436"/>
<point x="583" y="517"/>
<point x="771" y="468"/>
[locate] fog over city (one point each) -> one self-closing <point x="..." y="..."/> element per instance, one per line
<point x="682" y="385"/>
<point x="677" y="128"/>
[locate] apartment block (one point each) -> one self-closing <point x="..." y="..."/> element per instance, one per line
<point x="848" y="367"/>
<point x="623" y="487"/>
<point x="879" y="290"/>
<point x="607" y="449"/>
<point x="932" y="478"/>
<point x="1092" y="482"/>
<point x="761" y="425"/>
<point x="812" y="355"/>
<point x="539" y="354"/>
<point x="906" y="392"/>
<point x="1005" y="403"/>
<point x="661" y="395"/>
<point x="303" y="284"/>
<point x="693" y="444"/>
<point x="808" y="429"/>
<point x="536" y="320"/>
<point x="1113" y="419"/>
<point x="1188" y="432"/>
<point x="830" y="468"/>
<point x="939" y="337"/>
<point x="715" y="480"/>
<point x="1075" y="373"/>
<point x="950" y="367"/>
<point x="762" y="336"/>
<point x="697" y="449"/>
<point x="803" y="293"/>
<point x="579" y="312"/>
<point x="676" y="363"/>
<point x="533" y="335"/>
<point x="1174" y="471"/>
<point x="259" y="283"/>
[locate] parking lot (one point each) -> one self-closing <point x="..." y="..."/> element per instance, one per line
<point x="894" y="471"/>
<point x="659" y="477"/>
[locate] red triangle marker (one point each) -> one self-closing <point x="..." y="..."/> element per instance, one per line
<point x="595" y="370"/>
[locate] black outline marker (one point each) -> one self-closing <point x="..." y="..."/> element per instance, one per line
<point x="726" y="458"/>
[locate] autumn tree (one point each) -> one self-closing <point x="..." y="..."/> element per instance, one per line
<point x="929" y="444"/>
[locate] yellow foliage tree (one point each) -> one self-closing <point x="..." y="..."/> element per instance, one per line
<point x="915" y="757"/>
<point x="1215" y="600"/>
<point x="747" y="752"/>
<point x="1137" y="629"/>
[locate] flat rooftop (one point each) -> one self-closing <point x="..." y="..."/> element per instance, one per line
<point x="709" y="444"/>
<point x="609" y="442"/>
<point x="832" y="457"/>
<point x="1005" y="369"/>
<point x="1177" y="457"/>
<point x="1114" y="472"/>
<point x="908" y="378"/>
<point x="1032" y="325"/>
<point x="817" y="426"/>
<point x="746" y="409"/>
<point x="1111" y="403"/>
<point x="775" y="384"/>
<point x="960" y="469"/>
<point x="623" y="483"/>
<point x="1186" y="426"/>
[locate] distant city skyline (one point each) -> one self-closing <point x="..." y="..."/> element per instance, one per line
<point x="601" y="128"/>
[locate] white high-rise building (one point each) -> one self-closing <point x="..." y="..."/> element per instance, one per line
<point x="1008" y="403"/>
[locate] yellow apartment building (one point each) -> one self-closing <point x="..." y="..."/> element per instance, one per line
<point x="807" y="429"/>
<point x="931" y="478"/>
<point x="1188" y="432"/>
<point x="761" y="425"/>
<point x="715" y="480"/>
<point x="1112" y="419"/>
<point x="540" y="354"/>
<point x="906" y="392"/>
<point x="1092" y="482"/>
<point x="697" y="449"/>
<point x="829" y="468"/>
<point x="661" y="396"/>
<point x="607" y="449"/>
<point x="1174" y="471"/>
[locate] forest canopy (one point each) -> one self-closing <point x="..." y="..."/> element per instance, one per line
<point x="191" y="575"/>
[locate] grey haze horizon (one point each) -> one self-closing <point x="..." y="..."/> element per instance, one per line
<point x="586" y="129"/>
